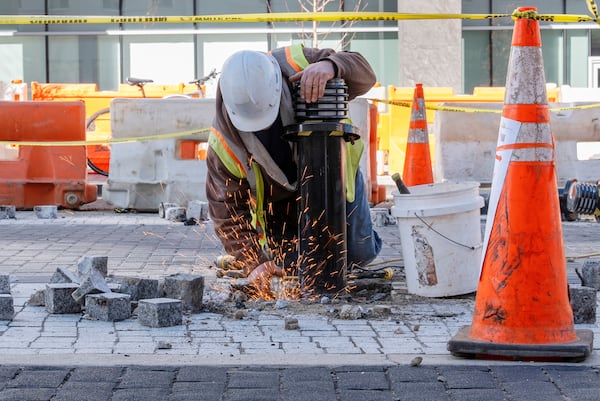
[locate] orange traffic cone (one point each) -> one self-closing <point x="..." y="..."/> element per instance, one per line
<point x="417" y="162"/>
<point x="522" y="308"/>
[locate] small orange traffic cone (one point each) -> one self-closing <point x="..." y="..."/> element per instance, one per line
<point x="417" y="162"/>
<point x="522" y="309"/>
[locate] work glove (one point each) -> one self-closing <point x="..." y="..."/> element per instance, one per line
<point x="259" y="280"/>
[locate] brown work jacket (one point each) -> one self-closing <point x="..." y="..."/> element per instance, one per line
<point x="230" y="199"/>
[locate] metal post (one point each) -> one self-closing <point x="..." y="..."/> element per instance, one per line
<point x="321" y="148"/>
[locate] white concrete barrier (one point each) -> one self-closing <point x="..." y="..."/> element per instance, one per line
<point x="465" y="143"/>
<point x="568" y="94"/>
<point x="147" y="172"/>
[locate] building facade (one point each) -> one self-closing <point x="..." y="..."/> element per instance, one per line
<point x="456" y="53"/>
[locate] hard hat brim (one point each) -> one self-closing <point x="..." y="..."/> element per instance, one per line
<point x="252" y="122"/>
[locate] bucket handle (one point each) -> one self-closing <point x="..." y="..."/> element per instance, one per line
<point x="444" y="236"/>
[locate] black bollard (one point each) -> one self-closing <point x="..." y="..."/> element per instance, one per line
<point x="321" y="148"/>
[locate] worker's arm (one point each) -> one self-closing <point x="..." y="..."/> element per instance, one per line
<point x="327" y="64"/>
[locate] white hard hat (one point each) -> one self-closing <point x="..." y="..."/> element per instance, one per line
<point x="251" y="87"/>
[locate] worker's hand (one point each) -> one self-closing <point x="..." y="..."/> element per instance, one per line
<point x="313" y="80"/>
<point x="260" y="279"/>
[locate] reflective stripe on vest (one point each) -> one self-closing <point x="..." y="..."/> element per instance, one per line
<point x="354" y="152"/>
<point x="231" y="156"/>
<point x="291" y="59"/>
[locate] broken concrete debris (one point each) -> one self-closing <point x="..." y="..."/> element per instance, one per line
<point x="111" y="298"/>
<point x="195" y="212"/>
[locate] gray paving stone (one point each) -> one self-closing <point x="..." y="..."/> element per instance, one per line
<point x="145" y="378"/>
<point x="319" y="390"/>
<point x="473" y="379"/>
<point x="362" y="380"/>
<point x="193" y="374"/>
<point x="59" y="300"/>
<point x="371" y="395"/>
<point x="140" y="394"/>
<point x="519" y="373"/>
<point x="92" y="282"/>
<point x="253" y="379"/>
<point x="108" y="307"/>
<point x="159" y="312"/>
<point x="199" y="387"/>
<point x="96" y="374"/>
<point x="46" y="211"/>
<point x="590" y="273"/>
<point x="137" y="287"/>
<point x="583" y="303"/>
<point x="312" y="395"/>
<point x="4" y="284"/>
<point x="532" y="389"/>
<point x="88" y="391"/>
<point x="399" y="374"/>
<point x="7" y="212"/>
<point x="8" y="372"/>
<point x="299" y="375"/>
<point x="252" y="394"/>
<point x="188" y="288"/>
<point x="582" y="394"/>
<point x="64" y="275"/>
<point x="27" y="394"/>
<point x="573" y="379"/>
<point x="87" y="263"/>
<point x="478" y="394"/>
<point x="50" y="378"/>
<point x="195" y="395"/>
<point x="7" y="308"/>
<point x="420" y="391"/>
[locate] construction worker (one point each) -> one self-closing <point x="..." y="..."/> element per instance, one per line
<point x="251" y="184"/>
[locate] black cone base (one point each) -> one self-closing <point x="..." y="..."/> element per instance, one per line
<point x="462" y="345"/>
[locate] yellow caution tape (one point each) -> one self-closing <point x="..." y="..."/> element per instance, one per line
<point x="284" y="17"/>
<point x="439" y="108"/>
<point x="591" y="5"/>
<point x="335" y="133"/>
<point x="107" y="142"/>
<point x="532" y="14"/>
<point x="478" y="110"/>
<point x="255" y="17"/>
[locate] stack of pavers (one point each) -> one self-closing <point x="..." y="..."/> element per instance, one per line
<point x="157" y="303"/>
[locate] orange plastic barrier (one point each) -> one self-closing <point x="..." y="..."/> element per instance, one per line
<point x="43" y="175"/>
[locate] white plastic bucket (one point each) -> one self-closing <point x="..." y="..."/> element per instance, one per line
<point x="440" y="231"/>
